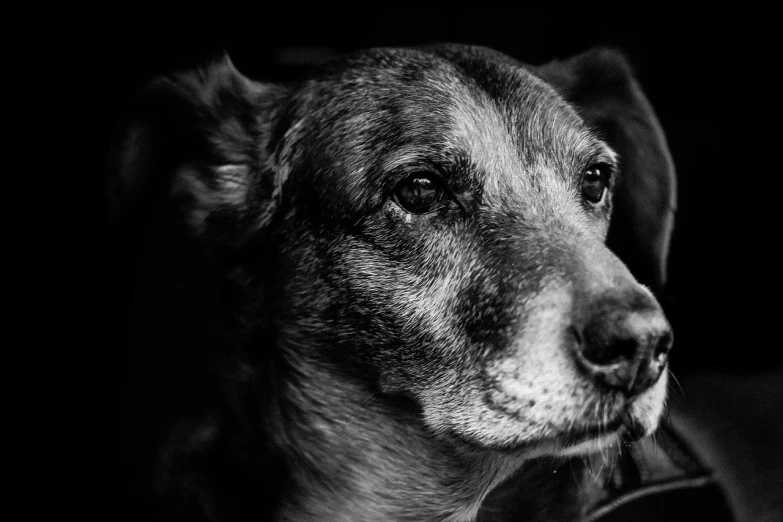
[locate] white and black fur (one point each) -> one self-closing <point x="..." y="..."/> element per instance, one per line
<point x="389" y="364"/>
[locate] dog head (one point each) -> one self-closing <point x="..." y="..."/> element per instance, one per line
<point x="433" y="224"/>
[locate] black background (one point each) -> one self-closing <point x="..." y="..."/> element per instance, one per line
<point x="713" y="79"/>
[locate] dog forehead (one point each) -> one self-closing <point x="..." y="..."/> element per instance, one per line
<point x="376" y="90"/>
<point x="353" y="114"/>
<point x="382" y="108"/>
<point x="519" y="132"/>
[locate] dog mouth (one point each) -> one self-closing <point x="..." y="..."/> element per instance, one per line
<point x="582" y="434"/>
<point x="590" y="438"/>
<point x="625" y="426"/>
<point x="584" y="438"/>
<point x="558" y="424"/>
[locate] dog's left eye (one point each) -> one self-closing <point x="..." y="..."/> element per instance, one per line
<point x="594" y="184"/>
<point x="419" y="193"/>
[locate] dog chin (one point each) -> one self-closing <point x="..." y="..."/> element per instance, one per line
<point x="589" y="446"/>
<point x="640" y="419"/>
<point x="587" y="442"/>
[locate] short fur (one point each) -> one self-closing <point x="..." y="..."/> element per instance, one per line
<point x="386" y="365"/>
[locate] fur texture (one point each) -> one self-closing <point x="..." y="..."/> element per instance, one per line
<point x="392" y="365"/>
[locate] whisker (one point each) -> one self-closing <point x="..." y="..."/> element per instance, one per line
<point x="654" y="437"/>
<point x="573" y="473"/>
<point x="612" y="464"/>
<point x="677" y="382"/>
<point x="597" y="476"/>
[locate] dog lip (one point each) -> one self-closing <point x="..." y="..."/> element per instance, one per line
<point x="569" y="438"/>
<point x="582" y="433"/>
<point x="631" y="429"/>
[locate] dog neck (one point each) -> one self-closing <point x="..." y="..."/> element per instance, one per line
<point x="355" y="454"/>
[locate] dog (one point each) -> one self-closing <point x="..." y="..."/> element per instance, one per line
<point x="434" y="262"/>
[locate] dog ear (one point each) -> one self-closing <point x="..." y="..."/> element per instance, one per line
<point x="602" y="87"/>
<point x="201" y="139"/>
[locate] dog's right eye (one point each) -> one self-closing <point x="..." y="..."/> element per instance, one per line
<point x="595" y="183"/>
<point x="419" y="193"/>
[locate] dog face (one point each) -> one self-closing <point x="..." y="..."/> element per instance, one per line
<point x="433" y="226"/>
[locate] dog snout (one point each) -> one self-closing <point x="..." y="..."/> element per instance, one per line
<point x="624" y="347"/>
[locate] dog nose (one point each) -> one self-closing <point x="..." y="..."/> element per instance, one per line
<point x="625" y="348"/>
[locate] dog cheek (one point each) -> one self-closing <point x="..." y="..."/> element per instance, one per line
<point x="381" y="315"/>
<point x="435" y="353"/>
<point x="483" y="312"/>
<point x="534" y="379"/>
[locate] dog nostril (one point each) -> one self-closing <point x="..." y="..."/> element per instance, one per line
<point x="610" y="351"/>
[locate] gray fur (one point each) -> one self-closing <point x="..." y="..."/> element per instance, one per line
<point x="419" y="360"/>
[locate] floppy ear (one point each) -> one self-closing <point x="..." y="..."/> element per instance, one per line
<point x="200" y="138"/>
<point x="601" y="86"/>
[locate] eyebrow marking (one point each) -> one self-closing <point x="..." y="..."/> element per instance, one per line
<point x="529" y="159"/>
<point x="403" y="156"/>
<point x="479" y="129"/>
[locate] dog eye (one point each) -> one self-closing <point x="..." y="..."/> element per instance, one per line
<point x="594" y="184"/>
<point x="419" y="193"/>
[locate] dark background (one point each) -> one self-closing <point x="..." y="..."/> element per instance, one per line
<point x="713" y="79"/>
